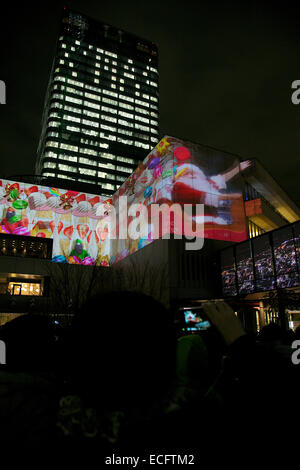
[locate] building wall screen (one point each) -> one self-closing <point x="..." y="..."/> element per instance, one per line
<point x="275" y="257"/>
<point x="173" y="173"/>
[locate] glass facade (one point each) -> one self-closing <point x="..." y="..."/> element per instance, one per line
<point x="263" y="263"/>
<point x="101" y="111"/>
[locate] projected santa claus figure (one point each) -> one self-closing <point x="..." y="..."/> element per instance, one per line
<point x="192" y="186"/>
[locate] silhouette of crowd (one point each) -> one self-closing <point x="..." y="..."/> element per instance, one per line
<point x="123" y="376"/>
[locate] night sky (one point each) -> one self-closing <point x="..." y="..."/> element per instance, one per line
<point x="225" y="75"/>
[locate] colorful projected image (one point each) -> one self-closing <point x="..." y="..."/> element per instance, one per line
<point x="68" y="217"/>
<point x="178" y="172"/>
<point x="174" y="175"/>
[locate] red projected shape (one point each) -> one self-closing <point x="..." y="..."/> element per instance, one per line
<point x="69" y="232"/>
<point x="82" y="230"/>
<point x="182" y="153"/>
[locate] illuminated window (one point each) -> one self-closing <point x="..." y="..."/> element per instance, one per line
<point x="87" y="171"/>
<point x="51" y="144"/>
<point x="124" y="168"/>
<point x="109" y="118"/>
<point x="110" y="93"/>
<point x="109" y="101"/>
<point x="87" y="161"/>
<point x="24" y="288"/>
<point x="49" y="165"/>
<point x="110" y="156"/>
<point x="107" y="136"/>
<point x="126" y="106"/>
<point x="125" y="141"/>
<point x="128" y="115"/>
<point x="63" y="167"/>
<point x="125" y="131"/>
<point x="90" y="123"/>
<point x="126" y="98"/>
<point x="108" y="186"/>
<point x="109" y="110"/>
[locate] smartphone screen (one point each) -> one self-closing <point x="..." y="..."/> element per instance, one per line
<point x="195" y="320"/>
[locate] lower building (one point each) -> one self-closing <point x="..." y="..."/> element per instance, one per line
<point x="58" y="246"/>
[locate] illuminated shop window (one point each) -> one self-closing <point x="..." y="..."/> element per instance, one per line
<point x="24" y="288"/>
<point x="25" y="246"/>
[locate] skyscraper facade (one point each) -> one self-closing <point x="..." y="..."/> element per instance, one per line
<point x="101" y="114"/>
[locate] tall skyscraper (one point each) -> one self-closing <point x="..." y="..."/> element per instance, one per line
<point x="101" y="114"/>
